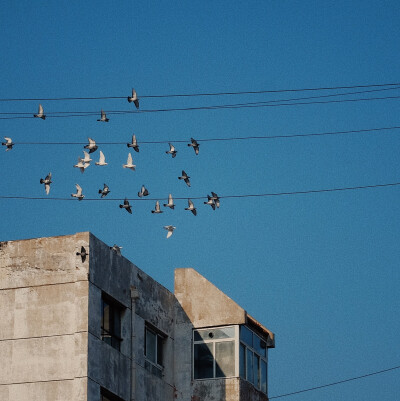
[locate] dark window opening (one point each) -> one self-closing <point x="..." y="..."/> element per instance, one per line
<point x="111" y="312"/>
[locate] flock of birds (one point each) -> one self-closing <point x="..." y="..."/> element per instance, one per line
<point x="213" y="200"/>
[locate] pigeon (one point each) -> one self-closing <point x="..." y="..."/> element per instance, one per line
<point x="40" y="113"/>
<point x="195" y="145"/>
<point x="143" y="192"/>
<point x="185" y="178"/>
<point x="157" y="208"/>
<point x="134" y="98"/>
<point x="104" y="117"/>
<point x="170" y="203"/>
<point x="8" y="144"/>
<point x="102" y="160"/>
<point x="191" y="207"/>
<point x="215" y="198"/>
<point x="87" y="158"/>
<point x="133" y="144"/>
<point x="117" y="249"/>
<point x="171" y="150"/>
<point x="210" y="202"/>
<point x="81" y="165"/>
<point x="47" y="181"/>
<point x="82" y="254"/>
<point x="129" y="163"/>
<point x="78" y="194"/>
<point x="91" y="146"/>
<point x="170" y="230"/>
<point x="105" y="191"/>
<point x="126" y="206"/>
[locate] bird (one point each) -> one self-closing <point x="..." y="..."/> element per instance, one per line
<point x="191" y="207"/>
<point x="215" y="198"/>
<point x="170" y="230"/>
<point x="104" y="117"/>
<point x="210" y="202"/>
<point x="105" y="191"/>
<point x="195" y="145"/>
<point x="82" y="254"/>
<point x="102" y="160"/>
<point x="170" y="203"/>
<point x="133" y="144"/>
<point x="129" y="163"/>
<point x="117" y="249"/>
<point x="172" y="151"/>
<point x="81" y="165"/>
<point x="47" y="181"/>
<point x="87" y="158"/>
<point x="78" y="194"/>
<point x="91" y="145"/>
<point x="157" y="208"/>
<point x="143" y="192"/>
<point x="40" y="113"/>
<point x="134" y="98"/>
<point x="126" y="206"/>
<point x="8" y="143"/>
<point x="185" y="178"/>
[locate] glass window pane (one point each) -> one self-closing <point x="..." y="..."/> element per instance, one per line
<point x="225" y="359"/>
<point x="214" y="334"/>
<point x="249" y="365"/>
<point x="263" y="377"/>
<point x="159" y="350"/>
<point x="256" y="373"/>
<point x="106" y="316"/>
<point x="116" y="321"/>
<point x="259" y="345"/>
<point x="203" y="361"/>
<point x="242" y="361"/>
<point x="150" y="350"/>
<point x="246" y="335"/>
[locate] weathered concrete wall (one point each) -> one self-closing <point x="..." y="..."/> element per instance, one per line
<point x="44" y="309"/>
<point x="216" y="390"/>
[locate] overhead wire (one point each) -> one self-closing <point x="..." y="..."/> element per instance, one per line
<point x="323" y="88"/>
<point x="311" y="191"/>
<point x="335" y="383"/>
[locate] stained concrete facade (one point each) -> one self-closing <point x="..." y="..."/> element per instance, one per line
<point x="51" y="344"/>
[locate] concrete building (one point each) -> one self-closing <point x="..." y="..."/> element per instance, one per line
<point x="99" y="328"/>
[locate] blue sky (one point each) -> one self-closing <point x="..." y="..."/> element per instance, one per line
<point x="320" y="270"/>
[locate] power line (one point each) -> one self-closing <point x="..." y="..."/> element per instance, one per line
<point x="335" y="383"/>
<point x="311" y="191"/>
<point x="202" y="94"/>
<point x="366" y="130"/>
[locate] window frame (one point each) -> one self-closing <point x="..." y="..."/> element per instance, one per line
<point x="116" y="310"/>
<point x="159" y="345"/>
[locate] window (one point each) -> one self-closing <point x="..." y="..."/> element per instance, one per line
<point x="111" y="311"/>
<point x="153" y="347"/>
<point x="253" y="358"/>
<point x="214" y="353"/>
<point x="106" y="395"/>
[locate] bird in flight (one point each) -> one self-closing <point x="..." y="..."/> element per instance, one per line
<point x="134" y="98"/>
<point x="133" y="144"/>
<point x="81" y="165"/>
<point x="91" y="145"/>
<point x="40" y="113"/>
<point x="172" y="151"/>
<point x="210" y="202"/>
<point x="126" y="206"/>
<point x="87" y="158"/>
<point x="82" y="254"/>
<point x="170" y="230"/>
<point x="195" y="145"/>
<point x="8" y="143"/>
<point x="104" y="117"/>
<point x="129" y="163"/>
<point x="185" y="178"/>
<point x="78" y="194"/>
<point x="117" y="249"/>
<point x="215" y="198"/>
<point x="105" y="191"/>
<point x="47" y="181"/>
<point x="102" y="160"/>
<point x="191" y="207"/>
<point x="143" y="192"/>
<point x="170" y="203"/>
<point x="157" y="208"/>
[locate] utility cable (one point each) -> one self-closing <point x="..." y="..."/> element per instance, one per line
<point x="312" y="191"/>
<point x="335" y="383"/>
<point x="201" y="94"/>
